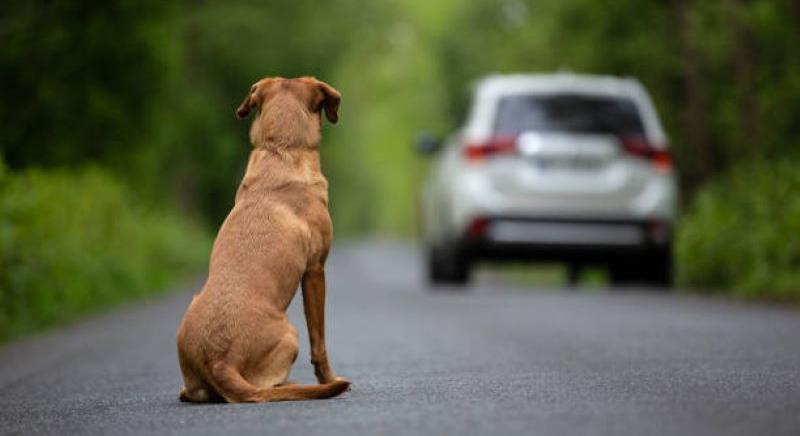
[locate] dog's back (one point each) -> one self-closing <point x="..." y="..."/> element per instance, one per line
<point x="235" y="341"/>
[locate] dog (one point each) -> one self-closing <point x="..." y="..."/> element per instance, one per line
<point x="235" y="342"/>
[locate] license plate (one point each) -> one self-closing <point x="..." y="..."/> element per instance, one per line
<point x="579" y="163"/>
<point x="554" y="233"/>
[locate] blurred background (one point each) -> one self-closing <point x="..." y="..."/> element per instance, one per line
<point x="121" y="154"/>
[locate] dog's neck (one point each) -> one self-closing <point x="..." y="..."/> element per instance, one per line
<point x="285" y="138"/>
<point x="276" y="168"/>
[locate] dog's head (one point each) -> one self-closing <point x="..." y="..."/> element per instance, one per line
<point x="312" y="94"/>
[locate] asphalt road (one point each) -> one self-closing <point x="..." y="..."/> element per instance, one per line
<point x="496" y="359"/>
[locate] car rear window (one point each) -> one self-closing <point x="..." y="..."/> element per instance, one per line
<point x="564" y="113"/>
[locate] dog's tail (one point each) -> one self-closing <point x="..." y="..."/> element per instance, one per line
<point x="235" y="389"/>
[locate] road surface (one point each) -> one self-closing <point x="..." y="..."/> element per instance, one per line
<point x="497" y="359"/>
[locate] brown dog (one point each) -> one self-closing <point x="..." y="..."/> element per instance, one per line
<point x="235" y="342"/>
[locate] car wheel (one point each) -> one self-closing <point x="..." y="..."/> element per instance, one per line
<point x="447" y="266"/>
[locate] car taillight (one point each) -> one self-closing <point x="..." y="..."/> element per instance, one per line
<point x="477" y="227"/>
<point x="640" y="147"/>
<point x="659" y="231"/>
<point x="479" y="151"/>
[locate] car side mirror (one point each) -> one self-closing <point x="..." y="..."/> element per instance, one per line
<point x="428" y="143"/>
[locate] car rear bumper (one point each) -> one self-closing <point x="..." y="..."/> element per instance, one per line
<point x="563" y="239"/>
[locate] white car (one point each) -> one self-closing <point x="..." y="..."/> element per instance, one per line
<point x="564" y="167"/>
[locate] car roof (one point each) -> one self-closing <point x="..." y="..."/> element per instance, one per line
<point x="489" y="90"/>
<point x="501" y="84"/>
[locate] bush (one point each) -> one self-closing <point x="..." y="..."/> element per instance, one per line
<point x="742" y="234"/>
<point x="75" y="241"/>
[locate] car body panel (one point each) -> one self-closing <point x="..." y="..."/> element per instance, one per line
<point x="552" y="175"/>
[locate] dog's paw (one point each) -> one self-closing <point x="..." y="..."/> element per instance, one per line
<point x="342" y="380"/>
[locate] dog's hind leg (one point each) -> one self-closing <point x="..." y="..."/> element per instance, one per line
<point x="275" y="368"/>
<point x="235" y="389"/>
<point x="194" y="389"/>
<point x="230" y="383"/>
<point x="198" y="395"/>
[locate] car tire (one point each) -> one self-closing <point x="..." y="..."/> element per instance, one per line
<point x="447" y="266"/>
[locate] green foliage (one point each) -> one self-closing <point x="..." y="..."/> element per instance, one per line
<point x="147" y="89"/>
<point x="741" y="234"/>
<point x="226" y="47"/>
<point x="74" y="241"/>
<point x="82" y="79"/>
<point x="391" y="88"/>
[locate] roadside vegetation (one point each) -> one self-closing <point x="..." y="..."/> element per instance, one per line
<point x="72" y="241"/>
<point x="142" y="94"/>
<point x="741" y="234"/>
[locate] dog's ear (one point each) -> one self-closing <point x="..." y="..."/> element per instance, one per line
<point x="330" y="101"/>
<point x="249" y="102"/>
